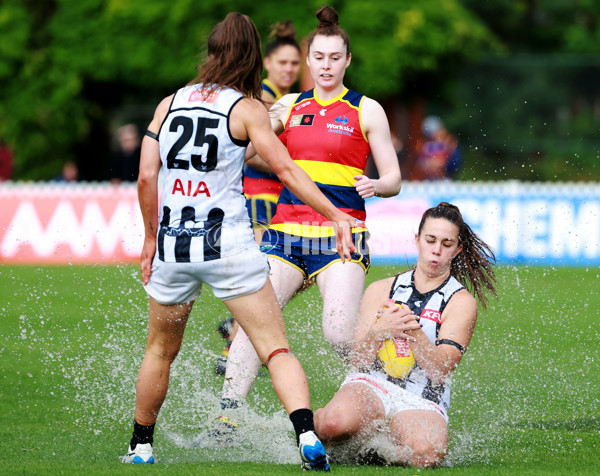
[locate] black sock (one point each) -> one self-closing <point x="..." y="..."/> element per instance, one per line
<point x="142" y="434"/>
<point x="227" y="403"/>
<point x="302" y="420"/>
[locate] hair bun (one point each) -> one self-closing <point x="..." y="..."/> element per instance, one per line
<point x="327" y="17"/>
<point x="284" y="31"/>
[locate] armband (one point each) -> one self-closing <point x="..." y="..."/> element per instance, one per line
<point x="152" y="135"/>
<point x="452" y="343"/>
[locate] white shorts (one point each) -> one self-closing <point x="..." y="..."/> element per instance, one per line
<point x="229" y="277"/>
<point x="394" y="398"/>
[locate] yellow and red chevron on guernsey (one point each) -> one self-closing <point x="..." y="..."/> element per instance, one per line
<point x="332" y="164"/>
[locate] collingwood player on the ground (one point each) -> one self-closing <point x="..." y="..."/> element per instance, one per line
<point x="403" y="419"/>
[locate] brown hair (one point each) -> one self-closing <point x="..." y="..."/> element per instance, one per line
<point x="285" y="34"/>
<point x="329" y="26"/>
<point x="473" y="265"/>
<point x="234" y="56"/>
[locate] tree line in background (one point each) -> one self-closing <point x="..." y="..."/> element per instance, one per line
<point x="516" y="80"/>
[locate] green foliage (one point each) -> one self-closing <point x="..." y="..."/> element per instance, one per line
<point x="69" y="70"/>
<point x="15" y="26"/>
<point x="530" y="118"/>
<point x="533" y="27"/>
<point x="531" y="113"/>
<point x="583" y="35"/>
<point x="401" y="38"/>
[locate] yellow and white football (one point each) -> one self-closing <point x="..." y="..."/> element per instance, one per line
<point x="395" y="357"/>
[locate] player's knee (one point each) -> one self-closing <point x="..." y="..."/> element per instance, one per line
<point x="331" y="424"/>
<point x="337" y="332"/>
<point x="165" y="354"/>
<point x="332" y="338"/>
<point x="327" y="427"/>
<point x="426" y="453"/>
<point x="338" y="341"/>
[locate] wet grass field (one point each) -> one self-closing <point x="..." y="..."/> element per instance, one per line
<point x="526" y="397"/>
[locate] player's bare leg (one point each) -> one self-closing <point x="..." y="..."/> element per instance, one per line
<point x="421" y="437"/>
<point x="260" y="316"/>
<point x="341" y="286"/>
<point x="232" y="327"/>
<point x="166" y="328"/>
<point x="243" y="363"/>
<point x="352" y="411"/>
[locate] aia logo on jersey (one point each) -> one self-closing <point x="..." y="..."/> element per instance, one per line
<point x="204" y="95"/>
<point x="341" y="120"/>
<point x="435" y="316"/>
<point x="302" y="120"/>
<point x="193" y="189"/>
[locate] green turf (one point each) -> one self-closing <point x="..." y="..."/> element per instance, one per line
<point x="526" y="397"/>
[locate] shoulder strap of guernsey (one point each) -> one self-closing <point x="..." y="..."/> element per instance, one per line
<point x="353" y="98"/>
<point x="304" y="95"/>
<point x="271" y="90"/>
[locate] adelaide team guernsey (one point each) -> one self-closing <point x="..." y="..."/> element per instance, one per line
<point x="429" y="307"/>
<point x="202" y="214"/>
<point x="261" y="184"/>
<point x="326" y="139"/>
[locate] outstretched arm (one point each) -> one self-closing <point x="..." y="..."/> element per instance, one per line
<point x="277" y="116"/>
<point x="250" y="118"/>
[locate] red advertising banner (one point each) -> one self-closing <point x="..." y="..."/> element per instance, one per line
<point x="57" y="224"/>
<point x="533" y="223"/>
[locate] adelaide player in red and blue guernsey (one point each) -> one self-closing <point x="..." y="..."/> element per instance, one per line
<point x="329" y="131"/>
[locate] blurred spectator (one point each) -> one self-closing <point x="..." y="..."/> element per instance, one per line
<point x="398" y="147"/>
<point x="125" y="164"/>
<point x="6" y="162"/>
<point x="438" y="156"/>
<point x="70" y="173"/>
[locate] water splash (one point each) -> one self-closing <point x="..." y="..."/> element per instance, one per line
<point x="518" y="386"/>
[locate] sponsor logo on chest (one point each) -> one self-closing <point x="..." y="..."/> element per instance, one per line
<point x="435" y="316"/>
<point x="302" y="120"/>
<point x="338" y="129"/>
<point x="191" y="189"/>
<point x="338" y="126"/>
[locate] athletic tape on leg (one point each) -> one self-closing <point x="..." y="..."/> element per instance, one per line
<point x="274" y="353"/>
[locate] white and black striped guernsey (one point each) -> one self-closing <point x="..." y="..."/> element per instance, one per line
<point x="429" y="308"/>
<point x="202" y="215"/>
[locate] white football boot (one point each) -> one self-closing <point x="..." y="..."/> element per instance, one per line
<point x="142" y="454"/>
<point x="312" y="453"/>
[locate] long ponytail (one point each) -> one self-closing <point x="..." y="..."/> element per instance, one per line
<point x="234" y="56"/>
<point x="473" y="265"/>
